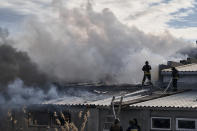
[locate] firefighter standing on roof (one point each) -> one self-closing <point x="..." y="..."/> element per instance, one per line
<point x="146" y="68"/>
<point x="175" y="77"/>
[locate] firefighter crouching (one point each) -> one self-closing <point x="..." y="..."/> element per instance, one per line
<point x="175" y="77"/>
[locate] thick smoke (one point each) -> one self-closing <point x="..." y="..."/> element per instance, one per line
<point x="17" y="94"/>
<point x="84" y="45"/>
<point x="77" y="45"/>
<point x="189" y="52"/>
<point x="16" y="64"/>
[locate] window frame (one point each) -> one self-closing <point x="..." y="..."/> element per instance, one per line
<point x="31" y="124"/>
<point x="184" y="129"/>
<point x="152" y="128"/>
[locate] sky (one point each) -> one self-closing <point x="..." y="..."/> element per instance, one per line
<point x="178" y="17"/>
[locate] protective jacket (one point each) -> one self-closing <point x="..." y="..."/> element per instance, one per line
<point x="133" y="128"/>
<point x="175" y="74"/>
<point x="146" y="69"/>
<point x="116" y="128"/>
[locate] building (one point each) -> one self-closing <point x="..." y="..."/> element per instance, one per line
<point x="171" y="111"/>
<point x="188" y="75"/>
<point x="175" y="111"/>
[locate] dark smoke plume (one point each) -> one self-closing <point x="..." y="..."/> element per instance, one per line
<point x="81" y="45"/>
<point x="17" y="64"/>
<point x="189" y="52"/>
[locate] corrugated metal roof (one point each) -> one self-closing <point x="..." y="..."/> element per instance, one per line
<point x="181" y="100"/>
<point x="184" y="68"/>
<point x="102" y="102"/>
<point x="66" y="101"/>
<point x="107" y="102"/>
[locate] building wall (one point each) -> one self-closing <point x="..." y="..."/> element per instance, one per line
<point x="93" y="120"/>
<point x="140" y="115"/>
<point x="182" y="79"/>
<point x="125" y="116"/>
<point x="13" y="120"/>
<point x="185" y="81"/>
<point x="144" y="117"/>
<point x="18" y="120"/>
<point x="173" y="114"/>
<point x="97" y="118"/>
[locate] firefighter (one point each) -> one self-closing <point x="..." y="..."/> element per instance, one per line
<point x="146" y="68"/>
<point x="132" y="126"/>
<point x="136" y="124"/>
<point x="175" y="77"/>
<point x="116" y="126"/>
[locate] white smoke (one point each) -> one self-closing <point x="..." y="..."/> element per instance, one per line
<point x="17" y="94"/>
<point x="78" y="96"/>
<point x="83" y="45"/>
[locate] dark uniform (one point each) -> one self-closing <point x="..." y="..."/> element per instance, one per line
<point x="132" y="126"/>
<point x="116" y="126"/>
<point x="136" y="124"/>
<point x="175" y="77"/>
<point x="146" y="68"/>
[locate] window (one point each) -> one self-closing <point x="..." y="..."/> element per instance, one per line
<point x="39" y="119"/>
<point x="48" y="119"/>
<point x="161" y="123"/>
<point x="187" y="124"/>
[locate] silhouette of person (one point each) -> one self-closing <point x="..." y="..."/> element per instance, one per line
<point x="136" y="124"/>
<point x="116" y="126"/>
<point x="146" y="69"/>
<point x="132" y="126"/>
<point x="175" y="77"/>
